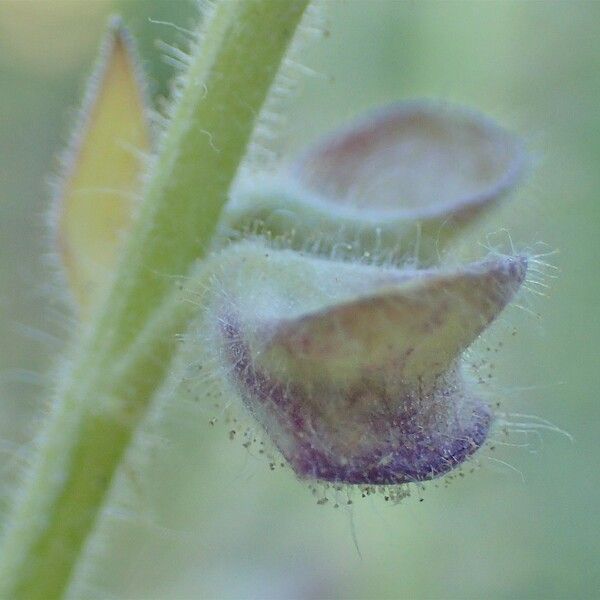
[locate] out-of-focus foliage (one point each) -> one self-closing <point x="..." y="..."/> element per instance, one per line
<point x="96" y="197"/>
<point x="217" y="520"/>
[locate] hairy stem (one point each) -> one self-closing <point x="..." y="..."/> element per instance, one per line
<point x="101" y="398"/>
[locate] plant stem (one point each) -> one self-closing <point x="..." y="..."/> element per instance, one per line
<point x="105" y="392"/>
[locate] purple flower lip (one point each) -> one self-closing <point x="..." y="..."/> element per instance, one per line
<point x="404" y="450"/>
<point x="370" y="390"/>
<point x="396" y="463"/>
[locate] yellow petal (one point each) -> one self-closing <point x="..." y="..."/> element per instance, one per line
<point x="95" y="204"/>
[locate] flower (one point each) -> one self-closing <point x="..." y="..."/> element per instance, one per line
<point x="354" y="369"/>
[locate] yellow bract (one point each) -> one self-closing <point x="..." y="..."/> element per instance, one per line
<point x="96" y="203"/>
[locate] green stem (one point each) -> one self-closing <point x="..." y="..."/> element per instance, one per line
<point x="105" y="392"/>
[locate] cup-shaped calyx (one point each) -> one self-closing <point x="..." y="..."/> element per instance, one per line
<point x="354" y="371"/>
<point x="408" y="177"/>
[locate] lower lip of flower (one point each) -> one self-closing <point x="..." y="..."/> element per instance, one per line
<point x="373" y="431"/>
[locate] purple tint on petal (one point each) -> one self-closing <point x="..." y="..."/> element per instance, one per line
<point x="402" y="449"/>
<point x="400" y="463"/>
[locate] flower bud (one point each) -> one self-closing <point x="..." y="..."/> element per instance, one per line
<point x="354" y="371"/>
<point x="408" y="178"/>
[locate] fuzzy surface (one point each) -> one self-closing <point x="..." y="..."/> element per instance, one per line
<point x="382" y="434"/>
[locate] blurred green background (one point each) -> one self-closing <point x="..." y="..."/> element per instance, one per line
<point x="211" y="520"/>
